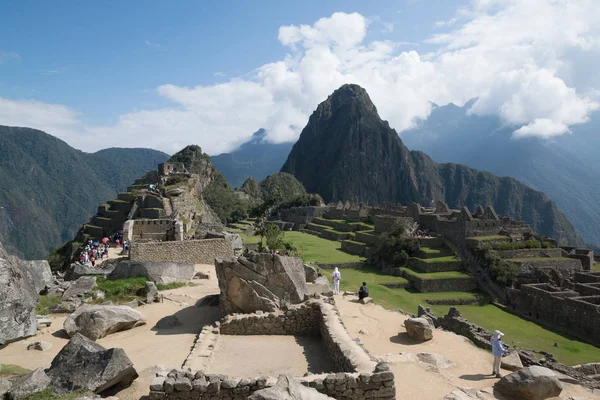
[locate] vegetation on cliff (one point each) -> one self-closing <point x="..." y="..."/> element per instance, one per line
<point x="50" y="188"/>
<point x="347" y="151"/>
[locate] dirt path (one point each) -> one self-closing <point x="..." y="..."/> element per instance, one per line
<point x="385" y="337"/>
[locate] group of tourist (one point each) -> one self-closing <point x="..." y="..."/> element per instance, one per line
<point x="154" y="188"/>
<point x="93" y="251"/>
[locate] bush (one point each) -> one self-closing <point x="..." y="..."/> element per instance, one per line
<point x="395" y="249"/>
<point x="274" y="236"/>
<point x="502" y="271"/>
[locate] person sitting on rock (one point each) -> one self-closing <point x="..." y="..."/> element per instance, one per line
<point x="363" y="291"/>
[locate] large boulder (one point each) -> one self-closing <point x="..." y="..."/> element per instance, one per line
<point x="5" y="385"/>
<point x="158" y="272"/>
<point x="77" y="270"/>
<point x="18" y="295"/>
<point x="311" y="273"/>
<point x="260" y="282"/>
<point x="150" y="291"/>
<point x="38" y="272"/>
<point x="84" y="364"/>
<point x="531" y="383"/>
<point x="80" y="287"/>
<point x="512" y="361"/>
<point x="95" y="322"/>
<point x="28" y="384"/>
<point x="418" y="329"/>
<point x="288" y="389"/>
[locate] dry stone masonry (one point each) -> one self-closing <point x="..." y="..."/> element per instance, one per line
<point x="360" y="376"/>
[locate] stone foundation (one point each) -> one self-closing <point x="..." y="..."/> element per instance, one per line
<point x="362" y="376"/>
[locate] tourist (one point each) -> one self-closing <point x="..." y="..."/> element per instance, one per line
<point x="336" y="280"/>
<point x="93" y="261"/>
<point x="498" y="351"/>
<point x="363" y="291"/>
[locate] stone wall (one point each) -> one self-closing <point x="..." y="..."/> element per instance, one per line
<point x="340" y="265"/>
<point x="298" y="320"/>
<point x="353" y="247"/>
<point x="387" y="223"/>
<point x="565" y="310"/>
<point x="203" y="251"/>
<point x="363" y="377"/>
<point x="300" y="216"/>
<point x="530" y="253"/>
<point x="152" y="229"/>
<point x="425" y="267"/>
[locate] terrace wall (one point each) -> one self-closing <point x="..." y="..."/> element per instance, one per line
<point x="203" y="251"/>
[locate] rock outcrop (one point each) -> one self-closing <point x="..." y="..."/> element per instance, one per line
<point x="288" y="389"/>
<point x="38" y="272"/>
<point x="95" y="322"/>
<point x="77" y="270"/>
<point x="260" y="282"/>
<point x="84" y="364"/>
<point x="311" y="273"/>
<point x="18" y="296"/>
<point x="418" y="329"/>
<point x="512" y="361"/>
<point x="28" y="384"/>
<point x="158" y="272"/>
<point x="81" y="286"/>
<point x="531" y="383"/>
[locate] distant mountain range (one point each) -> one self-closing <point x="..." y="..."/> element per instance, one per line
<point x="347" y="152"/>
<point x="256" y="159"/>
<point x="566" y="168"/>
<point x="50" y="188"/>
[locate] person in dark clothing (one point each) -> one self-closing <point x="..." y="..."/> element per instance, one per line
<point x="363" y="291"/>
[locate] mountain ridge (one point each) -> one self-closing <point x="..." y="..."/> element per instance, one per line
<point x="346" y="151"/>
<point x="50" y="188"/>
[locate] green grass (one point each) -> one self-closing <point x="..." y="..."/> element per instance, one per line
<point x="491" y="237"/>
<point x="397" y="298"/>
<point x="314" y="249"/>
<point x="10" y="369"/>
<point x="48" y="394"/>
<point x="44" y="302"/>
<point x="173" y="285"/>
<point x="536" y="259"/>
<point x="429" y="250"/>
<point x="437" y="275"/>
<point x="596" y="267"/>
<point x="121" y="290"/>
<point x="527" y="334"/>
<point x="439" y="259"/>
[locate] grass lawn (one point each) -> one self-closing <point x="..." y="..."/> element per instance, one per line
<point x="397" y="298"/>
<point x="314" y="249"/>
<point x="492" y="237"/>
<point x="527" y="334"/>
<point x="596" y="267"/>
<point x="439" y="259"/>
<point x="539" y="259"/>
<point x="9" y="369"/>
<point x="437" y="275"/>
<point x="429" y="250"/>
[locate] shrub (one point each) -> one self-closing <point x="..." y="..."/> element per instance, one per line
<point x="274" y="236"/>
<point x="395" y="248"/>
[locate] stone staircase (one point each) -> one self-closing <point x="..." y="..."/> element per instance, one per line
<point x="167" y="207"/>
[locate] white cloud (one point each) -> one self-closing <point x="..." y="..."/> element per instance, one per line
<point x="219" y="74"/>
<point x="523" y="60"/>
<point x="151" y="44"/>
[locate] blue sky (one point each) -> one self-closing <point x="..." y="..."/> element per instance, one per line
<point x="106" y="58"/>
<point x="93" y="65"/>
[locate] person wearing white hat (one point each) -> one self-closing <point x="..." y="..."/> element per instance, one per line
<point x="498" y="351"/>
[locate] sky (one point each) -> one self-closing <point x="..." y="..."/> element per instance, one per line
<point x="167" y="74"/>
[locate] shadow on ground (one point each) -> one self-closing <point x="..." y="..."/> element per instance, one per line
<point x="313" y="349"/>
<point x="403" y="338"/>
<point x="191" y="320"/>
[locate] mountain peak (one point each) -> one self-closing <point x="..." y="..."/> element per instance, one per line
<point x="350" y="93"/>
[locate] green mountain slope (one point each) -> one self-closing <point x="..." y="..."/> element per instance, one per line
<point x="50" y="188"/>
<point x="347" y="152"/>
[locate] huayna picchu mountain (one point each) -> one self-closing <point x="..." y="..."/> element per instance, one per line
<point x="50" y="188"/>
<point x="347" y="152"/>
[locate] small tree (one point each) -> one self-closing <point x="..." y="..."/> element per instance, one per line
<point x="273" y="236"/>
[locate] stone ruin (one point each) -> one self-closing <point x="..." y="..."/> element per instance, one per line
<point x="266" y="295"/>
